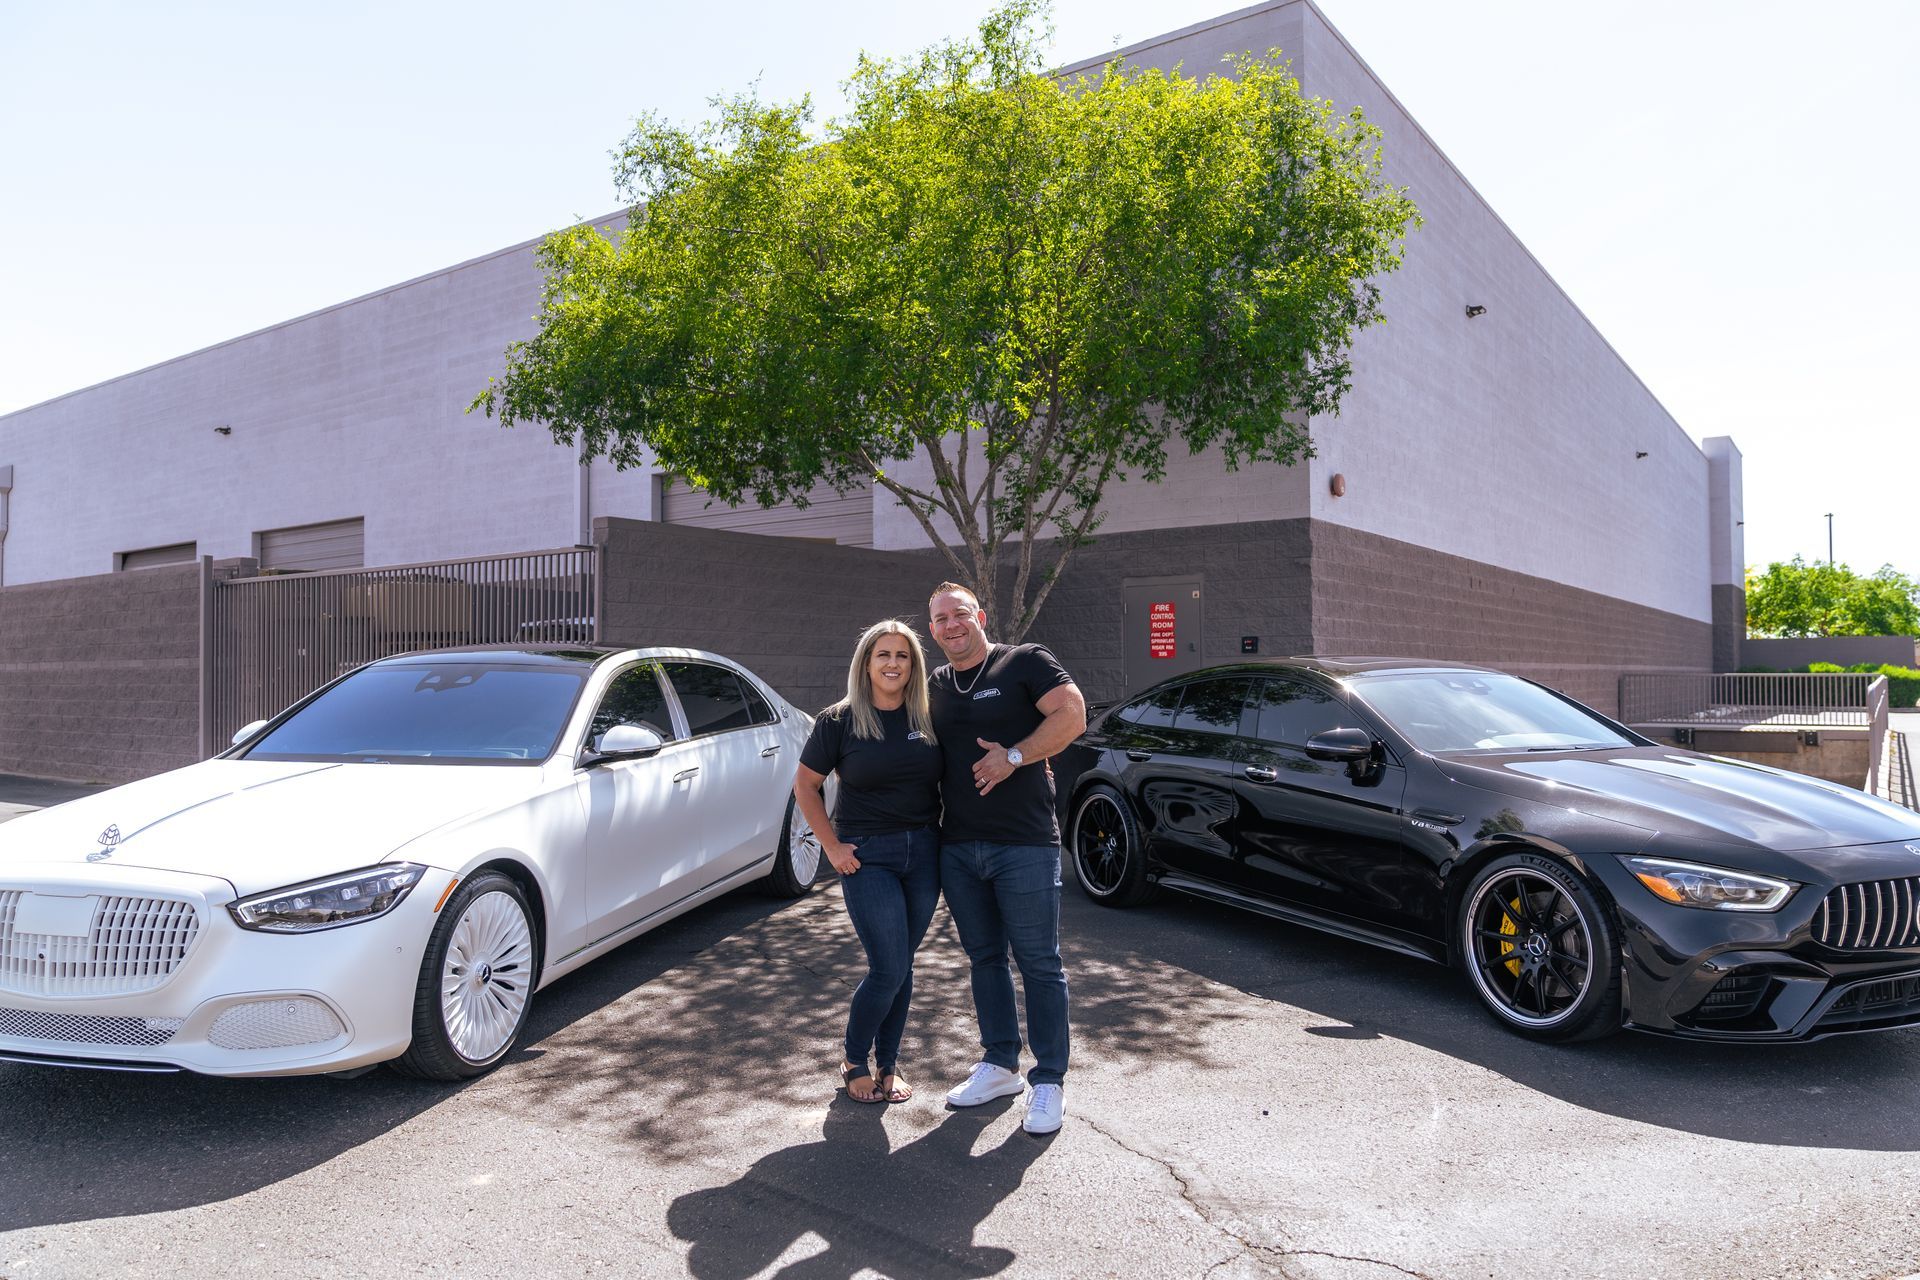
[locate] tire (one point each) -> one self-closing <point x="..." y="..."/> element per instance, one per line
<point x="476" y="982"/>
<point x="1553" y="975"/>
<point x="796" y="863"/>
<point x="1109" y="857"/>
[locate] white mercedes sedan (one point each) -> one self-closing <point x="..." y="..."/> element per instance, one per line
<point x="389" y="869"/>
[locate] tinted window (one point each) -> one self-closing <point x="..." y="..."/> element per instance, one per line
<point x="757" y="706"/>
<point x="635" y="698"/>
<point x="710" y="696"/>
<point x="1291" y="711"/>
<point x="1155" y="711"/>
<point x="426" y="714"/>
<point x="1213" y="706"/>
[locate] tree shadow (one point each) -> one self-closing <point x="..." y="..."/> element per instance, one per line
<point x="1830" y="1093"/>
<point x="906" y="1212"/>
<point x="85" y="1145"/>
<point x="760" y="1017"/>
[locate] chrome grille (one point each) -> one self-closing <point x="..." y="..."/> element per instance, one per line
<point x="1871" y="916"/>
<point x="132" y="945"/>
<point x="77" y="1028"/>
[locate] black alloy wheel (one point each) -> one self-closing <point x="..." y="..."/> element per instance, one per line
<point x="1539" y="945"/>
<point x="1109" y="858"/>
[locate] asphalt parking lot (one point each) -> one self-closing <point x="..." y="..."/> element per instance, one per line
<point x="1246" y="1100"/>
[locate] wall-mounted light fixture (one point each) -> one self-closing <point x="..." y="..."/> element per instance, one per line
<point x="1475" y="309"/>
<point x="1337" y="486"/>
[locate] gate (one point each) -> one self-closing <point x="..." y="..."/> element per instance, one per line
<point x="273" y="639"/>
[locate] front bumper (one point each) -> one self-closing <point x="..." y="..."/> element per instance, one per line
<point x="1757" y="977"/>
<point x="240" y="1003"/>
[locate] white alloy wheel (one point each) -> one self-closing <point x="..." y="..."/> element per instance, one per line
<point x="485" y="980"/>
<point x="796" y="859"/>
<point x="803" y="849"/>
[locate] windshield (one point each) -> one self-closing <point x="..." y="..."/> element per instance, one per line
<point x="1482" y="711"/>
<point x="418" y="714"/>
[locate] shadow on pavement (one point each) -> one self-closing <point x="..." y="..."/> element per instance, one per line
<point x="1838" y="1093"/>
<point x="905" y="1212"/>
<point x="84" y="1145"/>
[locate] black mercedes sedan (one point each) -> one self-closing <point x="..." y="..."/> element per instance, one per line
<point x="1584" y="877"/>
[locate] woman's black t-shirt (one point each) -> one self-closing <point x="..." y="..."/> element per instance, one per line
<point x="890" y="783"/>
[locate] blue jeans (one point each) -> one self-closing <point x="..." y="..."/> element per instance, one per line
<point x="890" y="899"/>
<point x="1007" y="897"/>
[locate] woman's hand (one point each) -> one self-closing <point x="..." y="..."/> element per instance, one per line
<point x="841" y="855"/>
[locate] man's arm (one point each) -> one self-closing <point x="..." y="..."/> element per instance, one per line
<point x="1065" y="709"/>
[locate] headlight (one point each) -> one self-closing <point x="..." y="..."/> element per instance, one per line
<point x="329" y="903"/>
<point x="1687" y="884"/>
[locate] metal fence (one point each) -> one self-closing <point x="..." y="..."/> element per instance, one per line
<point x="273" y="639"/>
<point x="1790" y="702"/>
<point x="1703" y="700"/>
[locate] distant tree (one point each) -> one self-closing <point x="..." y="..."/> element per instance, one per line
<point x="1800" y="599"/>
<point x="1038" y="284"/>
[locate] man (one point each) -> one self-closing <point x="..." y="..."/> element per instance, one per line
<point x="1000" y="711"/>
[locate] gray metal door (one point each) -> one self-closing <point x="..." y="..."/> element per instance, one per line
<point x="1162" y="630"/>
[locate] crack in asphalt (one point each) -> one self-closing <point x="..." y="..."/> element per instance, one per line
<point x="1345" y="1257"/>
<point x="1271" y="1254"/>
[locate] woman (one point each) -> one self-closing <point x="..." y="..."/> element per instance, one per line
<point x="883" y="839"/>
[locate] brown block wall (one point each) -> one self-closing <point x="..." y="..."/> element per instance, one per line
<point x="787" y="609"/>
<point x="1258" y="581"/>
<point x="1379" y="596"/>
<point x="100" y="676"/>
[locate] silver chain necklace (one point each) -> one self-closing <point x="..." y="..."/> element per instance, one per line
<point x="976" y="675"/>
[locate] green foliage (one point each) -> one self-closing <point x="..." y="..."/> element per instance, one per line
<point x="1800" y="599"/>
<point x="990" y="291"/>
<point x="1903" y="685"/>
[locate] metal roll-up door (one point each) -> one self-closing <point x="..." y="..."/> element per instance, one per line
<point x="829" y="517"/>
<point x="338" y="544"/>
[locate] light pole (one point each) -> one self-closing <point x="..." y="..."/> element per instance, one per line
<point x="1829" y="539"/>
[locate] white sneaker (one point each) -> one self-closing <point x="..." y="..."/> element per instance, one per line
<point x="985" y="1084"/>
<point x="1044" y="1112"/>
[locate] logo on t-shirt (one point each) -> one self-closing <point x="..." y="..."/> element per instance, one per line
<point x="914" y="736"/>
<point x="986" y="693"/>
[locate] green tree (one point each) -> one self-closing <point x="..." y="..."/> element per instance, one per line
<point x="1800" y="599"/>
<point x="1029" y="285"/>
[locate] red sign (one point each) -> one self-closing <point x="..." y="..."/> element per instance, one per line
<point x="1160" y="630"/>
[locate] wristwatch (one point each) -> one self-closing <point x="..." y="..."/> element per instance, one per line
<point x="1014" y="757"/>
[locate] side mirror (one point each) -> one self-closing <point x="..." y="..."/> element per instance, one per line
<point x="1347" y="745"/>
<point x="627" y="740"/>
<point x="247" y="731"/>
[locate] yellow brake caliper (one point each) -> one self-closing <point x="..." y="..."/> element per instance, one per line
<point x="1509" y="925"/>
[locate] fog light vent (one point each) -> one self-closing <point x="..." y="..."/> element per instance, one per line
<point x="1734" y="996"/>
<point x="275" y="1024"/>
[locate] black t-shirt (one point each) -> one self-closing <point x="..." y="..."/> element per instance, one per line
<point x="996" y="701"/>
<point x="887" y="784"/>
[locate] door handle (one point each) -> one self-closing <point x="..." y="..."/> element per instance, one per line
<point x="769" y="751"/>
<point x="686" y="774"/>
<point x="1260" y="773"/>
<point x="1134" y="753"/>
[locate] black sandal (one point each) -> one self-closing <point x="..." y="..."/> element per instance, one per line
<point x="896" y="1092"/>
<point x="849" y="1074"/>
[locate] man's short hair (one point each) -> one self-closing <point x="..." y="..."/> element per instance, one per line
<point x="955" y="589"/>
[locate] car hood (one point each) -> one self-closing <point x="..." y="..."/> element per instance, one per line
<point x="1689" y="796"/>
<point x="261" y="825"/>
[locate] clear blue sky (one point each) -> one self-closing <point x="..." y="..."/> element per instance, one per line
<point x="1726" y="187"/>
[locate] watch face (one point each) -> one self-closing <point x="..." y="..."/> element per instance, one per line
<point x="1015" y="758"/>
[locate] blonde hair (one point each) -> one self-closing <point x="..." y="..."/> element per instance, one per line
<point x="858" y="704"/>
